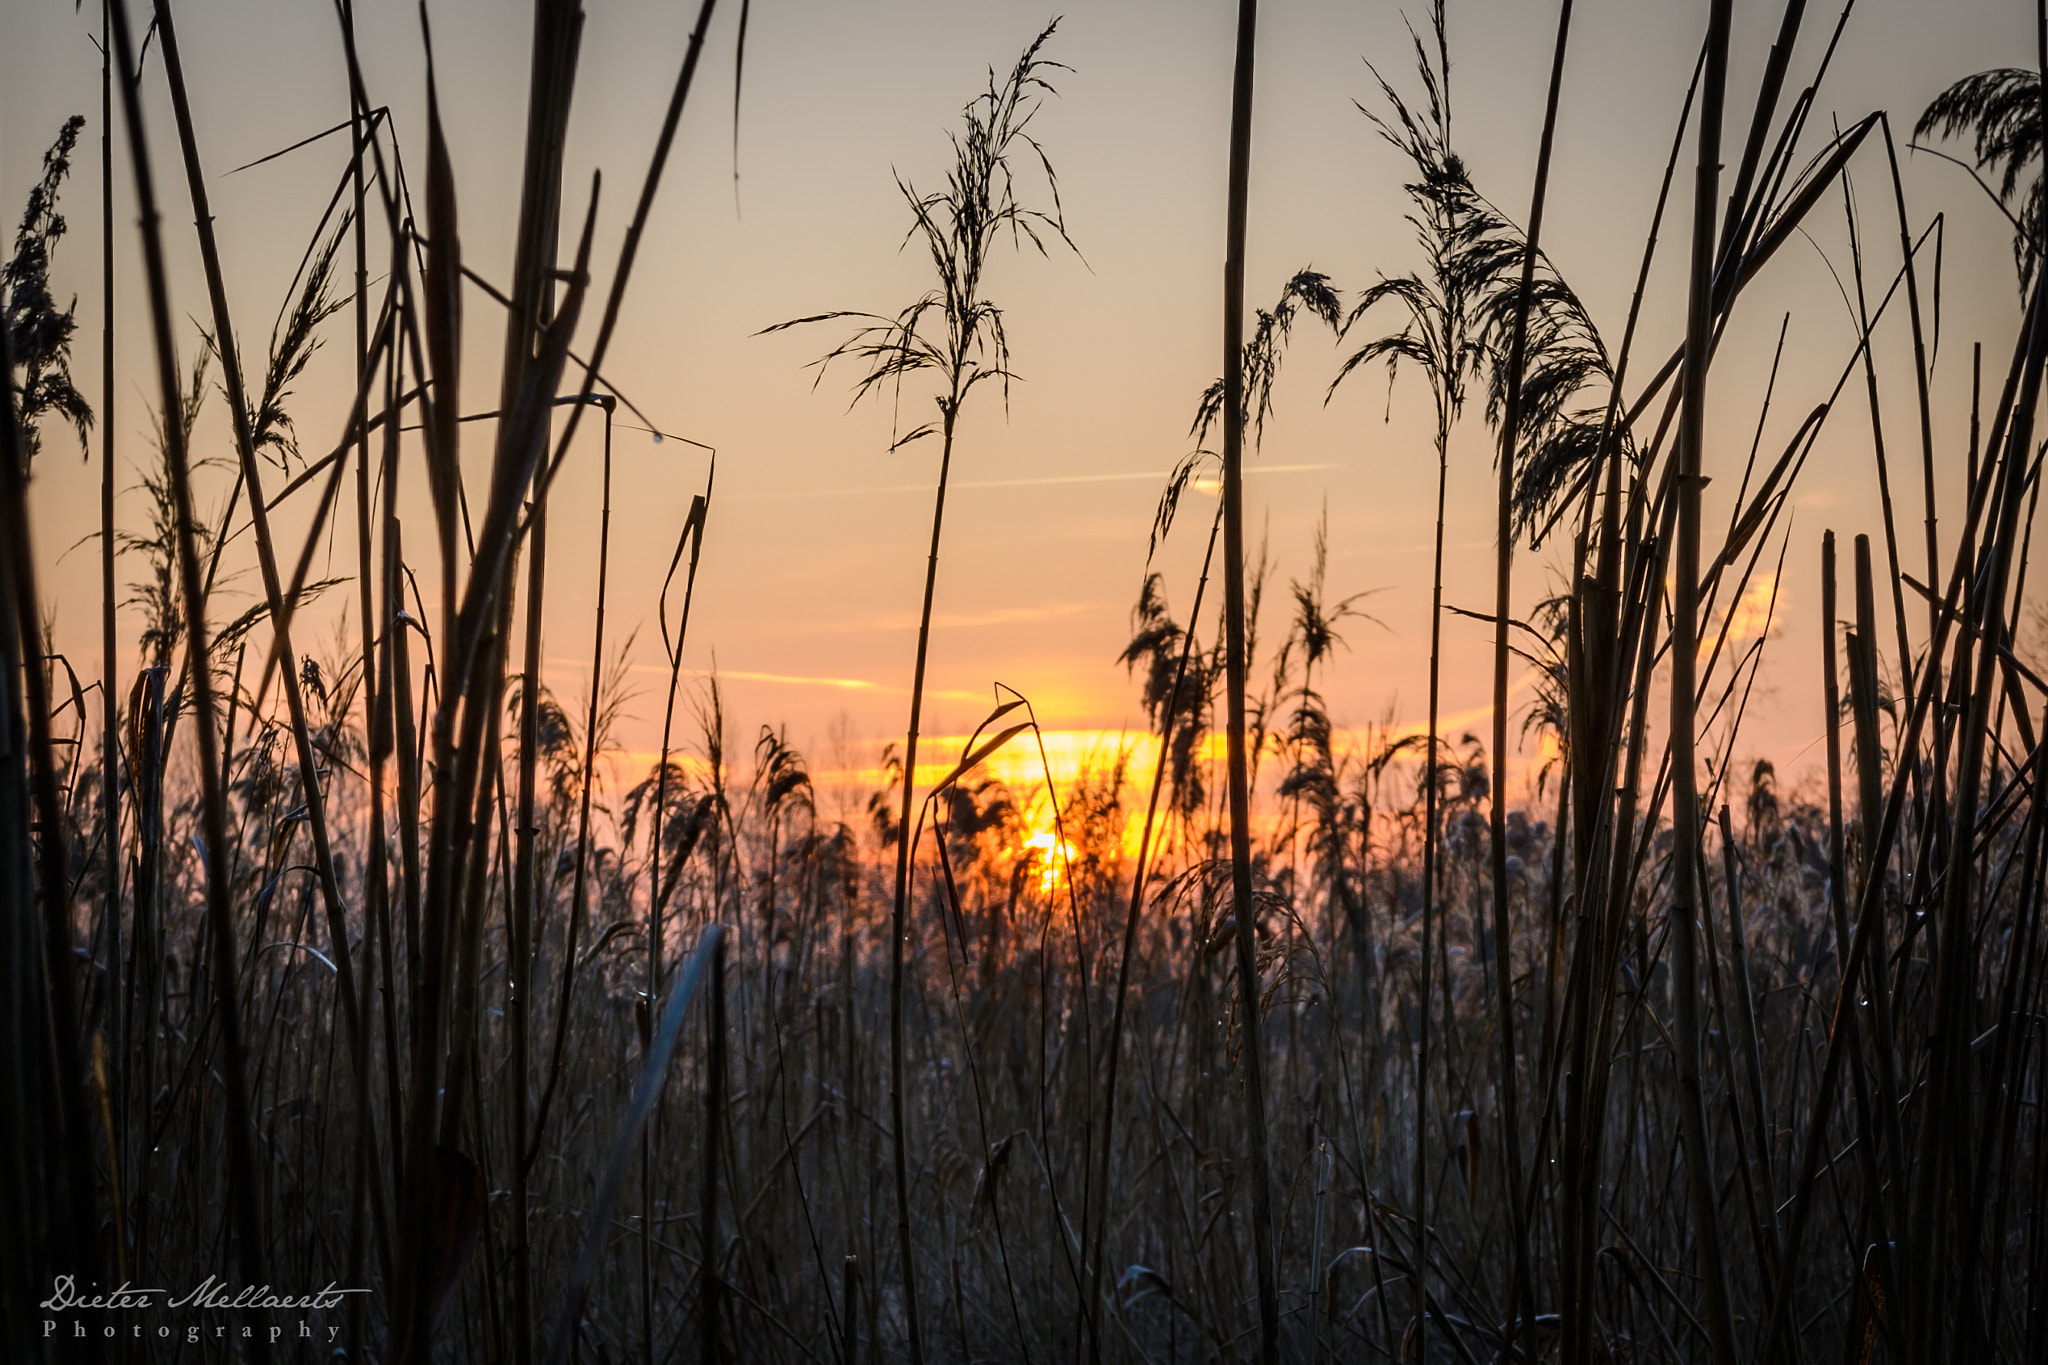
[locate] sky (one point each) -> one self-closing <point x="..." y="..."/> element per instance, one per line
<point x="783" y="202"/>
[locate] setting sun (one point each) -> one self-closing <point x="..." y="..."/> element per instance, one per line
<point x="1050" y="856"/>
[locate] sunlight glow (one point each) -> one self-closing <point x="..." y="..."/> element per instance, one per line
<point x="1753" y="615"/>
<point x="1050" y="855"/>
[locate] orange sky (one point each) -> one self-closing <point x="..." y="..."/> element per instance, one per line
<point x="814" y="558"/>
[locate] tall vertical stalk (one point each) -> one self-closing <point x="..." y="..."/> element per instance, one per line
<point x="309" y="767"/>
<point x="1937" y="1171"/>
<point x="1920" y="388"/>
<point x="1687" y="862"/>
<point x="1837" y="895"/>
<point x="35" y="804"/>
<point x="376" y="887"/>
<point x="710" y="1296"/>
<point x="1432" y="815"/>
<point x="519" y="940"/>
<point x="579" y="888"/>
<point x="1441" y="332"/>
<point x="1169" y="717"/>
<point x="1504" y="559"/>
<point x="557" y="29"/>
<point x="659" y="886"/>
<point x="240" y="1132"/>
<point x="955" y="333"/>
<point x="899" y="920"/>
<point x="110" y="710"/>
<point x="1253" y="1043"/>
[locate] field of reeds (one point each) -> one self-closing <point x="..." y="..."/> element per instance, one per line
<point x="340" y="964"/>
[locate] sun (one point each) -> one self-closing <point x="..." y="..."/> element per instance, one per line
<point x="1050" y="855"/>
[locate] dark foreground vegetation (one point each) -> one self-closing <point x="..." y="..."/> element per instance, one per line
<point x="1304" y="1044"/>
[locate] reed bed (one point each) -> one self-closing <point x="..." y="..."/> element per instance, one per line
<point x="333" y="964"/>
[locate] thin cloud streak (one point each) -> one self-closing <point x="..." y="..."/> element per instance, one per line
<point x="1005" y="616"/>
<point x="1049" y="481"/>
<point x="785" y="679"/>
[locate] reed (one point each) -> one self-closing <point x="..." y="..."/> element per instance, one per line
<point x="1244" y="914"/>
<point x="240" y="1143"/>
<point x="955" y="335"/>
<point x="1439" y="338"/>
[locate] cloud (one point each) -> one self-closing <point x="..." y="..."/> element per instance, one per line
<point x="1047" y="481"/>
<point x="1003" y="616"/>
<point x="1753" y="614"/>
<point x="783" y="679"/>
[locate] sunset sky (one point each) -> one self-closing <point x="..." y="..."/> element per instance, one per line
<point x="808" y="594"/>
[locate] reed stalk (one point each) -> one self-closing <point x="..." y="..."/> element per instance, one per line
<point x="579" y="891"/>
<point x="956" y="334"/>
<point x="556" y="32"/>
<point x="1504" y="555"/>
<point x="519" y="942"/>
<point x="70" y="1216"/>
<point x="1245" y="911"/>
<point x="1866" y="1140"/>
<point x="225" y="346"/>
<point x="376" y="888"/>
<point x="110" y="691"/>
<point x="1440" y="336"/>
<point x="1168" y="718"/>
<point x="710" y="1301"/>
<point x="240" y="1135"/>
<point x="1687" y="860"/>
